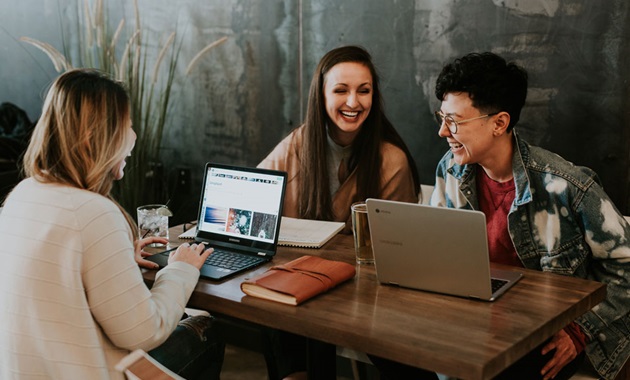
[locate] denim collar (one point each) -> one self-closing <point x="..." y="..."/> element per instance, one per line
<point x="520" y="161"/>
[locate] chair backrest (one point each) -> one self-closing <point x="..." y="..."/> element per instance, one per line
<point x="425" y="194"/>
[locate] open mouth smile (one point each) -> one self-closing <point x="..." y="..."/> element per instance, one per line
<point x="455" y="146"/>
<point x="350" y="114"/>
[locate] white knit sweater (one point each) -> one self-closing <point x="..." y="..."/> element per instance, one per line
<point x="72" y="299"/>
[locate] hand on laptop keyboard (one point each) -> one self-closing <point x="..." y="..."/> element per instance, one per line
<point x="195" y="254"/>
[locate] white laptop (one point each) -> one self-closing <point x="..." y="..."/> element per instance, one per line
<point x="435" y="249"/>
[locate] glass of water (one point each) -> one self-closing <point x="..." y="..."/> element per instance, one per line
<point x="153" y="221"/>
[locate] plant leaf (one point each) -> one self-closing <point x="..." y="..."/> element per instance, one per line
<point x="88" y="22"/>
<point x="168" y="43"/>
<point x="112" y="46"/>
<point x="203" y="51"/>
<point x="58" y="60"/>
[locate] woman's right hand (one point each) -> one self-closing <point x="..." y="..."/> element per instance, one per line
<point x="192" y="254"/>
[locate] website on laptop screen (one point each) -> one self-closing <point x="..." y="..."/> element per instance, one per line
<point x="241" y="204"/>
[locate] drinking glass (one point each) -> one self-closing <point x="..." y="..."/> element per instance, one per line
<point x="153" y="221"/>
<point x="361" y="232"/>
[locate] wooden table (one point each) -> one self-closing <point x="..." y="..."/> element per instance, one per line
<point x="459" y="337"/>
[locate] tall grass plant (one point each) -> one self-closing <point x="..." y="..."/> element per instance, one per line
<point x="125" y="53"/>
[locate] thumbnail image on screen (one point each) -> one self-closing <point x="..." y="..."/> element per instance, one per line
<point x="264" y="225"/>
<point x="215" y="218"/>
<point x="239" y="221"/>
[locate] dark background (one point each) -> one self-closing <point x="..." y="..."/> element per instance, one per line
<point x="250" y="92"/>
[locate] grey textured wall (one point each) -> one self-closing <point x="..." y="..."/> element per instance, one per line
<point x="250" y="92"/>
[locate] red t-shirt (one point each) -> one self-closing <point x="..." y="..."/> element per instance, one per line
<point x="495" y="199"/>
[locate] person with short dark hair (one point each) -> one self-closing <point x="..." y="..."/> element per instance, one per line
<point x="542" y="212"/>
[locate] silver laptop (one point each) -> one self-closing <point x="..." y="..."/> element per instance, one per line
<point x="436" y="249"/>
<point x="239" y="216"/>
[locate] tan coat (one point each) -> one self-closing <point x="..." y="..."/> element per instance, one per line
<point x="396" y="178"/>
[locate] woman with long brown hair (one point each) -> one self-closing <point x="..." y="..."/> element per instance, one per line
<point x="347" y="150"/>
<point x="73" y="300"/>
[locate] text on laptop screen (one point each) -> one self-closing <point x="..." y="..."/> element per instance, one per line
<point x="243" y="204"/>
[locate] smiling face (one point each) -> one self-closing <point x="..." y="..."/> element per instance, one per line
<point x="474" y="141"/>
<point x="348" y="94"/>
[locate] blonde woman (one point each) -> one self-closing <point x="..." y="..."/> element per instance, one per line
<point x="73" y="300"/>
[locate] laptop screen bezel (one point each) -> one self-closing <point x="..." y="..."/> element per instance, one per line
<point x="241" y="242"/>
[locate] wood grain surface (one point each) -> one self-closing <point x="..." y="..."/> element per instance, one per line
<point x="459" y="337"/>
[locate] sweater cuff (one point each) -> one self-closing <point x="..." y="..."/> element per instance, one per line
<point x="179" y="266"/>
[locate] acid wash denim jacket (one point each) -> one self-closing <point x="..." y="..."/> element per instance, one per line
<point x="561" y="221"/>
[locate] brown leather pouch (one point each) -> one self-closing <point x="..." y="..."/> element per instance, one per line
<point x="298" y="280"/>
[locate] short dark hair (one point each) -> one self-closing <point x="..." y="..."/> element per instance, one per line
<point x="493" y="84"/>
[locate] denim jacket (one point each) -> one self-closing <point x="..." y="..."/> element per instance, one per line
<point x="562" y="221"/>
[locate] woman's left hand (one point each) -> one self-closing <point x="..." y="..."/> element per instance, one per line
<point x="140" y="253"/>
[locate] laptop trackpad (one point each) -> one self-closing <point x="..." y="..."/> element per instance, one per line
<point x="160" y="258"/>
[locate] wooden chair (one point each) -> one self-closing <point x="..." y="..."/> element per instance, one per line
<point x="138" y="365"/>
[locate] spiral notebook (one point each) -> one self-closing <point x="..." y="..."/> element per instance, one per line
<point x="303" y="233"/>
<point x="307" y="233"/>
<point x="189" y="233"/>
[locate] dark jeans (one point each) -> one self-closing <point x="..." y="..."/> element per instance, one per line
<point x="193" y="351"/>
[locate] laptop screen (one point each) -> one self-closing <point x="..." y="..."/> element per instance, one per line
<point x="241" y="206"/>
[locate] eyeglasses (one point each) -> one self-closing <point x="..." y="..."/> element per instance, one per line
<point x="453" y="124"/>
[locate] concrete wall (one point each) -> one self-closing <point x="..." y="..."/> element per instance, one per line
<point x="250" y="92"/>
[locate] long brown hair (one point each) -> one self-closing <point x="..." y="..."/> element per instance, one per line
<point x="315" y="199"/>
<point x="81" y="135"/>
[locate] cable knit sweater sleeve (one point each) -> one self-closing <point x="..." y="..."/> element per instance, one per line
<point x="131" y="315"/>
<point x="73" y="299"/>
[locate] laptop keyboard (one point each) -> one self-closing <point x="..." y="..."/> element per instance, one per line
<point x="232" y="261"/>
<point x="497" y="284"/>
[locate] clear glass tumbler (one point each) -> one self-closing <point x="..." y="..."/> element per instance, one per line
<point x="361" y="232"/>
<point x="153" y="221"/>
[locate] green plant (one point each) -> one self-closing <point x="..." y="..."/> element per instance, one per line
<point x="149" y="85"/>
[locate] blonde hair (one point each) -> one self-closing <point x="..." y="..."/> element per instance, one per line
<point x="81" y="135"/>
